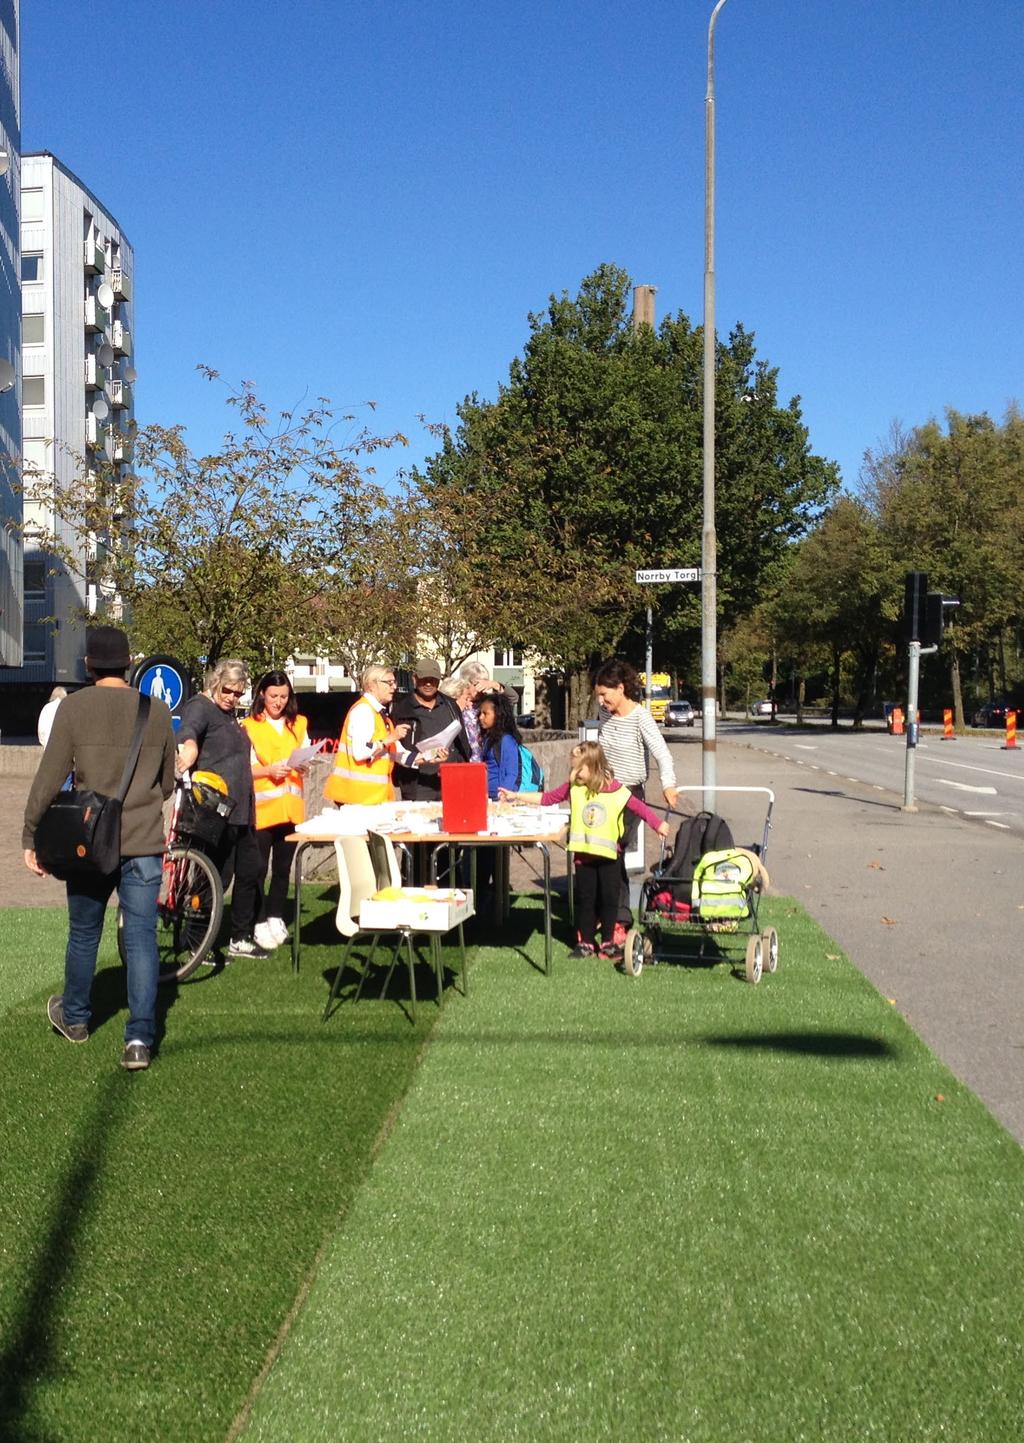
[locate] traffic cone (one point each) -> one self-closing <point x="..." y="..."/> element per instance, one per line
<point x="947" y="725"/>
<point x="897" y="721"/>
<point x="1010" y="745"/>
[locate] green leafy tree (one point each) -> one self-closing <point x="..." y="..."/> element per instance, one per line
<point x="588" y="466"/>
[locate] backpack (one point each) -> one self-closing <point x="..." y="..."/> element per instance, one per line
<point x="705" y="832"/>
<point x="722" y="882"/>
<point x="531" y="773"/>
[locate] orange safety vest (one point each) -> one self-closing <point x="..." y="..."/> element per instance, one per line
<point x="276" y="802"/>
<point x="362" y="781"/>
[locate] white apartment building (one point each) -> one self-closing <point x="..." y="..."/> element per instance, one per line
<point x="10" y="339"/>
<point x="77" y="396"/>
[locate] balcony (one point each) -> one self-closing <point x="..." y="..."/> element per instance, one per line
<point x="120" y="395"/>
<point x="122" y="284"/>
<point x="121" y="339"/>
<point x="123" y="447"/>
<point x="97" y="433"/>
<point x="96" y="317"/>
<point x="95" y="256"/>
<point x="96" y="377"/>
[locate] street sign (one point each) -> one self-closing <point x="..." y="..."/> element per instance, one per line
<point x="165" y="679"/>
<point x="671" y="573"/>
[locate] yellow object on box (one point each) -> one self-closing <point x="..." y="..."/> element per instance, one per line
<point x="432" y="909"/>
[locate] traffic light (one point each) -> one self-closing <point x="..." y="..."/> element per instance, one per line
<point x="934" y="612"/>
<point x="915" y="599"/>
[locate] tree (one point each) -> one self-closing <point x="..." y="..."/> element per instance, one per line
<point x="232" y="552"/>
<point x="588" y="466"/>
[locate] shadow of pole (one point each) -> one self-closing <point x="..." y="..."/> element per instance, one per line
<point x="28" y="1356"/>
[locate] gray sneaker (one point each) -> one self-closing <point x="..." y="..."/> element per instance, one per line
<point x="246" y="947"/>
<point x="73" y="1031"/>
<point x="135" y="1056"/>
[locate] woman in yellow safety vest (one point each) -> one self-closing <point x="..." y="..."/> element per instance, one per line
<point x="369" y="745"/>
<point x="275" y="728"/>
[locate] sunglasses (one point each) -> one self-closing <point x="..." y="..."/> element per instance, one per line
<point x="230" y="691"/>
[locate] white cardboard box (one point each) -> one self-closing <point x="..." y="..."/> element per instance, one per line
<point x="446" y="910"/>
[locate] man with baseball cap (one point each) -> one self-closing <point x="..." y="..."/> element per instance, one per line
<point x="91" y="735"/>
<point x="428" y="712"/>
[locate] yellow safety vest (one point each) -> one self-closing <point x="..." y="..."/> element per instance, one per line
<point x="360" y="781"/>
<point x="276" y="802"/>
<point x="595" y="820"/>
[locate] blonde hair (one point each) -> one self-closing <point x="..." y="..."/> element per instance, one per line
<point x="374" y="673"/>
<point x="589" y="767"/>
<point x="229" y="670"/>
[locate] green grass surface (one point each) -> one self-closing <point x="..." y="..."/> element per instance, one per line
<point x="156" y="1228"/>
<point x="676" y="1208"/>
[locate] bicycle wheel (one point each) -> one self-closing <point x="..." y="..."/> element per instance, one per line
<point x="188" y="914"/>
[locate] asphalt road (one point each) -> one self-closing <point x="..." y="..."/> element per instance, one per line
<point x="971" y="776"/>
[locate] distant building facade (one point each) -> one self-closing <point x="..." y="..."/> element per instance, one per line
<point x="77" y="399"/>
<point x="11" y="622"/>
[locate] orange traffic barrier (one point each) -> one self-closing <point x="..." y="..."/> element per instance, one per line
<point x="897" y="721"/>
<point x="1011" y="732"/>
<point x="947" y="725"/>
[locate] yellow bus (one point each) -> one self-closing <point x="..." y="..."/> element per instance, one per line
<point x="661" y="693"/>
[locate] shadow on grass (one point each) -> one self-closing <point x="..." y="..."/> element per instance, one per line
<point x="28" y="1359"/>
<point x="808" y="1044"/>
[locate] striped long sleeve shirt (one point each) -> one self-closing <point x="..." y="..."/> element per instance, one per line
<point x="627" y="741"/>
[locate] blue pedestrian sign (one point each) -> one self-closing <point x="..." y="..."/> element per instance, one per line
<point x="164" y="679"/>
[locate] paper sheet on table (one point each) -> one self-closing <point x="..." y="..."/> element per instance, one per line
<point x="442" y="738"/>
<point x="301" y="755"/>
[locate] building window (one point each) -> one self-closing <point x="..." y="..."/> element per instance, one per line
<point x="32" y="329"/>
<point x="35" y="578"/>
<point x="33" y="391"/>
<point x="31" y="266"/>
<point x="35" y="642"/>
<point x="31" y="206"/>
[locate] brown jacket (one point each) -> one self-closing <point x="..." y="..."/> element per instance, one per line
<point x="91" y="734"/>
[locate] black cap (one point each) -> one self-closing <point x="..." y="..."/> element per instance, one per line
<point x="106" y="649"/>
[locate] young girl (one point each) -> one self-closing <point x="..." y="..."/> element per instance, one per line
<point x="598" y="804"/>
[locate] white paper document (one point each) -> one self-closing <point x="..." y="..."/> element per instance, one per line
<point x="443" y="738"/>
<point x="301" y="755"/>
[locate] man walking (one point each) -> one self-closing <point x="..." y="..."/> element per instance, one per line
<point x="91" y="735"/>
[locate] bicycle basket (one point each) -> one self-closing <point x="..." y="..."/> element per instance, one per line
<point x="205" y="812"/>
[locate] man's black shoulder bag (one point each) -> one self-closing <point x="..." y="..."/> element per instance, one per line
<point x="79" y="834"/>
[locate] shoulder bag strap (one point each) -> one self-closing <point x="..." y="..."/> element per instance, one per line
<point x="132" y="760"/>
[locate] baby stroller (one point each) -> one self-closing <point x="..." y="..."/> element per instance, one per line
<point x="703" y="896"/>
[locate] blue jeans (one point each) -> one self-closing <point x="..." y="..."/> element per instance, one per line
<point x="138" y="886"/>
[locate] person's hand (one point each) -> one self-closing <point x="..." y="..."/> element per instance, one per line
<point x="504" y="795"/>
<point x="441" y="755"/>
<point x="671" y="795"/>
<point x="402" y="730"/>
<point x="32" y="863"/>
<point x="664" y="829"/>
<point x="278" y="771"/>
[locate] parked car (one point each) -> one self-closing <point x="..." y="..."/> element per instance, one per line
<point x="678" y="714"/>
<point x="526" y="720"/>
<point x="993" y="713"/>
<point x="763" y="710"/>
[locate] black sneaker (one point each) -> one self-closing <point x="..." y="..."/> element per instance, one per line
<point x="73" y="1031"/>
<point x="246" y="947"/>
<point x="135" y="1056"/>
<point x="583" y="949"/>
<point x="612" y="951"/>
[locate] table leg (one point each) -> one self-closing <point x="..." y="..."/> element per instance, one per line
<point x="300" y="853"/>
<point x="547" y="905"/>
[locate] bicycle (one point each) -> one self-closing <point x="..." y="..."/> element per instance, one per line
<point x="190" y="905"/>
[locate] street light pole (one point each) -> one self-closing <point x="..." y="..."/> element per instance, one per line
<point x="709" y="541"/>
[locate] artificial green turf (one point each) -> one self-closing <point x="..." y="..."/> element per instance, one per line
<point x="671" y="1208"/>
<point x="156" y="1228"/>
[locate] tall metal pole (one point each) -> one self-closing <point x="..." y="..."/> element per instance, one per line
<point x="709" y="541"/>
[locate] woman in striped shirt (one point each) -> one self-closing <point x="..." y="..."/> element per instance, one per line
<point x="629" y="736"/>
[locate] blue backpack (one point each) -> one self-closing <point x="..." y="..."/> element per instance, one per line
<point x="531" y="773"/>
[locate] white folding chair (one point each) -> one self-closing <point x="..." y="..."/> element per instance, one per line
<point x="364" y="867"/>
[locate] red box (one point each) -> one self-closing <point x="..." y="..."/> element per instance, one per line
<point x="464" y="796"/>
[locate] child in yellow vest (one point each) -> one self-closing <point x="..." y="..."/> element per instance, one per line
<point x="597" y="805"/>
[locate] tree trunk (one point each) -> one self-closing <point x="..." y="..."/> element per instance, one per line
<point x="801" y="692"/>
<point x="836" y="659"/>
<point x="954" y="681"/>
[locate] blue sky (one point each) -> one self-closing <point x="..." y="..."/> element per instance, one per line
<point x="365" y="201"/>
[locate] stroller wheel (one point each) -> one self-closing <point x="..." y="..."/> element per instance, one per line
<point x="633" y="952"/>
<point x="770" y="939"/>
<point x="755" y="954"/>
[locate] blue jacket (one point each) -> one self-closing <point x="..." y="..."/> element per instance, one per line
<point x="503" y="769"/>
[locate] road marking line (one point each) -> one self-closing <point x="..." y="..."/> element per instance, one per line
<point x="984" y="814"/>
<point x="1003" y="826"/>
<point x="950" y="811"/>
<point x="803" y="747"/>
<point x="964" y="786"/>
<point x="966" y="767"/>
<point x="877" y="788"/>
